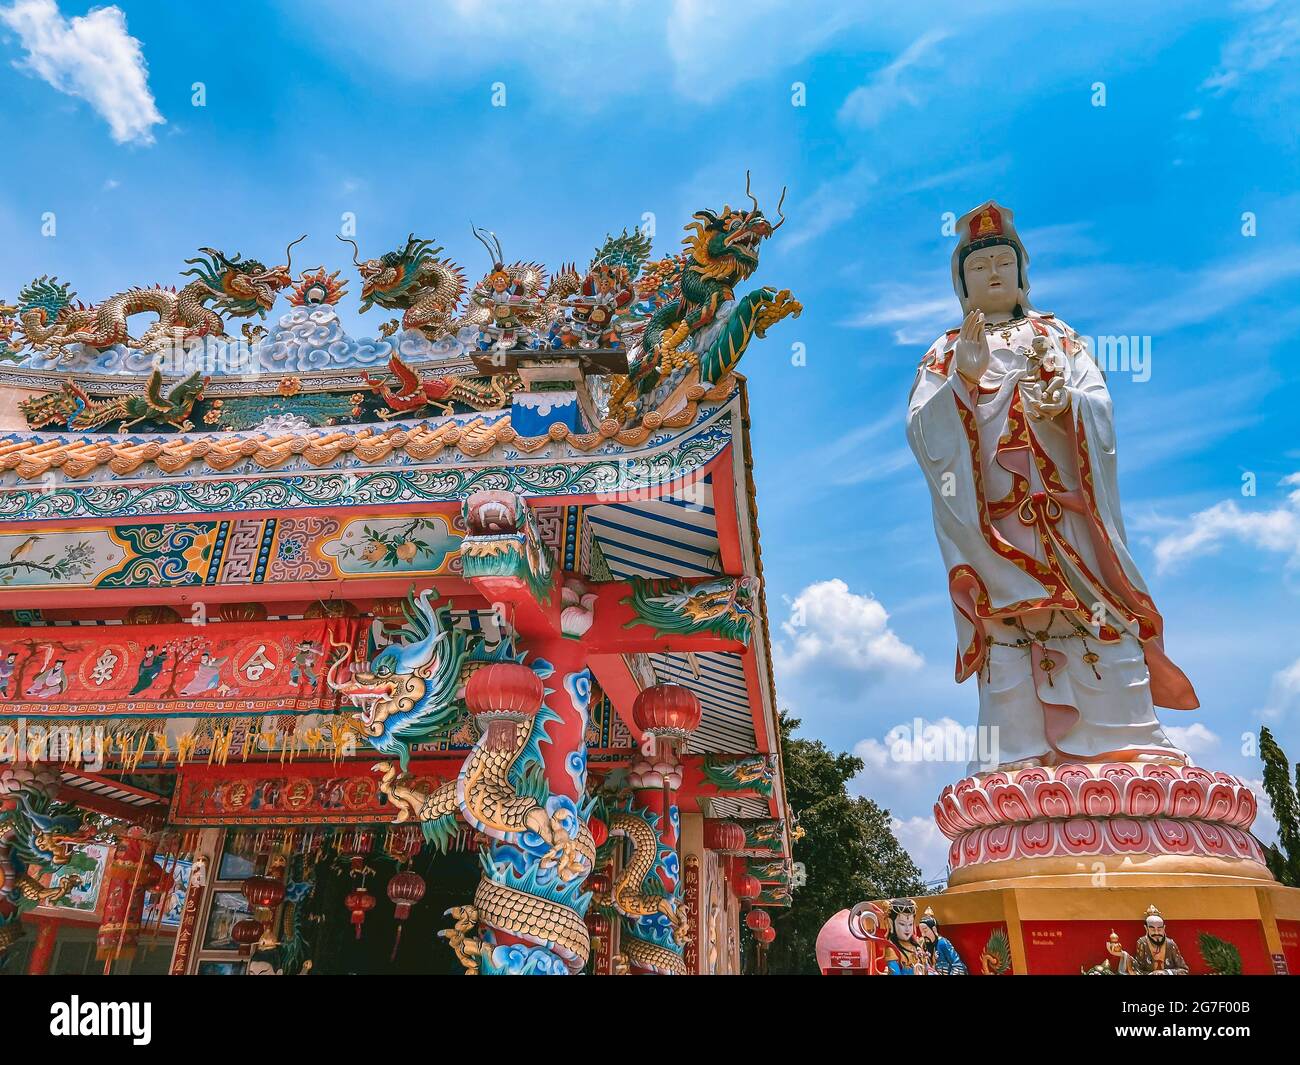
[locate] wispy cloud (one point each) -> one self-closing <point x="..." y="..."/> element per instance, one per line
<point x="1269" y="38"/>
<point x="915" y="313"/>
<point x="831" y="203"/>
<point x="894" y="84"/>
<point x="1275" y="530"/>
<point x="91" y="57"/>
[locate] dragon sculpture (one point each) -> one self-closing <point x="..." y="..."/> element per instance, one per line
<point x="415" y="392"/>
<point x="655" y="921"/>
<point x="529" y="906"/>
<point x="688" y="328"/>
<point x="724" y="607"/>
<point x="76" y="411"/>
<point x="37" y="834"/>
<point x="415" y="281"/>
<point x="406" y="693"/>
<point x="236" y="287"/>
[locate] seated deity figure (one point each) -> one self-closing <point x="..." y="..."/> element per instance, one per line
<point x="1010" y="419"/>
<point x="1154" y="955"/>
<point x="942" y="955"/>
<point x="904" y="953"/>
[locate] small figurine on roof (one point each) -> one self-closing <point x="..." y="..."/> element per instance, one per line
<point x="505" y="297"/>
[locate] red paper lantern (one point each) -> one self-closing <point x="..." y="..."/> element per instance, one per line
<point x="598" y="884"/>
<point x="599" y="831"/>
<point x="264" y="892"/>
<point x="246" y="933"/>
<point x="746" y="886"/>
<point x="756" y="920"/>
<point x="359" y="902"/>
<point x="404" y="891"/>
<point x="726" y="837"/>
<point x="597" y="924"/>
<point x="504" y="687"/>
<point x="667" y="710"/>
<point x="765" y="935"/>
<point x="357" y="844"/>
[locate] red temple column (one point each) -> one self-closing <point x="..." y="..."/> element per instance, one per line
<point x="666" y="714"/>
<point x="47" y="934"/>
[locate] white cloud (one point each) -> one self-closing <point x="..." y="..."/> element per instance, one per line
<point x="832" y="202"/>
<point x="1268" y="39"/>
<point x="91" y="57"/>
<point x="1194" y="739"/>
<point x="921" y="838"/>
<point x="831" y="626"/>
<point x="891" y="86"/>
<point x="915" y="314"/>
<point x="1207" y="531"/>
<point x="1284" y="691"/>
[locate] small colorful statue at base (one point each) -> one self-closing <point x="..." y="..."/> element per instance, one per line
<point x="905" y="954"/>
<point x="1155" y="954"/>
<point x="943" y="956"/>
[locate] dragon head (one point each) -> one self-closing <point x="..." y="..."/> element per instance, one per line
<point x="725" y="245"/>
<point x="388" y="280"/>
<point x="406" y="693"/>
<point x="242" y="286"/>
<point x="44" y="299"/>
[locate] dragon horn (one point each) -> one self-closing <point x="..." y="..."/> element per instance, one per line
<point x="355" y="250"/>
<point x="778" y="210"/>
<point x="288" y="252"/>
<point x="748" y="193"/>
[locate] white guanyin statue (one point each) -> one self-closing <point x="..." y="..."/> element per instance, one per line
<point x="1011" y="421"/>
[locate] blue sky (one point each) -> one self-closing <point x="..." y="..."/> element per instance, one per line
<point x="1132" y="212"/>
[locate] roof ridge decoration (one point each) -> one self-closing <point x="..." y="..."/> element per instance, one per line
<point x="634" y="331"/>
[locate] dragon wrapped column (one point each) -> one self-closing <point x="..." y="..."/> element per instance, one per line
<point x="648" y="893"/>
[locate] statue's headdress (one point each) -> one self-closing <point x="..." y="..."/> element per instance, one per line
<point x="988" y="225"/>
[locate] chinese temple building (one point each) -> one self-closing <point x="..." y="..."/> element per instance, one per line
<point x="440" y="650"/>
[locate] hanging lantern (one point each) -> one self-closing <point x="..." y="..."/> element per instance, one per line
<point x="357" y="846"/>
<point x="501" y="695"/>
<point x="599" y="831"/>
<point x="746" y="886"/>
<point x="598" y="884"/>
<point x="725" y="837"/>
<point x="246" y="933"/>
<point x="264" y="892"/>
<point x="597" y="924"/>
<point x="667" y="711"/>
<point x="757" y="920"/>
<point x="404" y="891"/>
<point x="403" y="842"/>
<point x="765" y="935"/>
<point x="359" y="903"/>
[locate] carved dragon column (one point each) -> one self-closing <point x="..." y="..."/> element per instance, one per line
<point x="545" y="855"/>
<point x="648" y="893"/>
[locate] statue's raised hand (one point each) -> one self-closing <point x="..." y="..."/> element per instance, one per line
<point x="972" y="349"/>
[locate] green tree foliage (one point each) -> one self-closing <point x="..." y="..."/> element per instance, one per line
<point x="1284" y="858"/>
<point x="848" y="849"/>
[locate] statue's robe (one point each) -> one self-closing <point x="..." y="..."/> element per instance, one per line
<point x="1028" y="519"/>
